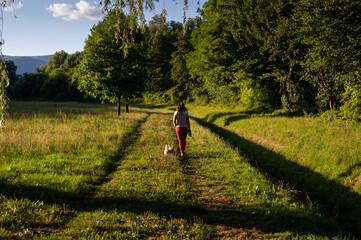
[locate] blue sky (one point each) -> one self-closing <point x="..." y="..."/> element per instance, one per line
<point x="43" y="27"/>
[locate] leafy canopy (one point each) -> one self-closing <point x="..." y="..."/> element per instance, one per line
<point x="105" y="71"/>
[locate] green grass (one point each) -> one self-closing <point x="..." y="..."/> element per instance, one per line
<point x="78" y="171"/>
<point x="320" y="158"/>
<point x="268" y="205"/>
<point x="53" y="153"/>
<point x="331" y="149"/>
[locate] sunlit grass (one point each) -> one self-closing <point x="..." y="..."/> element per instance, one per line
<point x="318" y="158"/>
<point x="332" y="149"/>
<point x="148" y="195"/>
<point x="77" y="171"/>
<point x="51" y="152"/>
<point x="273" y="205"/>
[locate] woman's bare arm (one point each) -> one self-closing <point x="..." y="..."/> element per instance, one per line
<point x="174" y="121"/>
<point x="189" y="124"/>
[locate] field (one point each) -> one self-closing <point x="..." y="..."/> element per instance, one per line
<point x="77" y="171"/>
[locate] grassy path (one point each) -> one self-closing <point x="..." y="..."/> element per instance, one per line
<point x="147" y="195"/>
<point x="214" y="193"/>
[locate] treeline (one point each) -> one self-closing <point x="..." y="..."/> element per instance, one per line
<point x="52" y="81"/>
<point x="294" y="55"/>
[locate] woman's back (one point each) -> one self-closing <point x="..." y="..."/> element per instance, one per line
<point x="181" y="118"/>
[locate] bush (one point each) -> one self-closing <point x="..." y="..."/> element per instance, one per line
<point x="153" y="97"/>
<point x="56" y="86"/>
<point x="330" y="116"/>
<point x="352" y="102"/>
<point x="219" y="86"/>
<point x="254" y="97"/>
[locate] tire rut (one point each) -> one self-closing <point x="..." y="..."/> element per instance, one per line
<point x="129" y="139"/>
<point x="219" y="210"/>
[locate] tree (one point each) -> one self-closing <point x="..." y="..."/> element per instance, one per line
<point x="162" y="37"/>
<point x="11" y="69"/>
<point x="28" y="86"/>
<point x="227" y="60"/>
<point x="71" y="61"/>
<point x="331" y="30"/>
<point x="180" y="72"/>
<point x="4" y="79"/>
<point x="136" y="7"/>
<point x="4" y="82"/>
<point x="56" y="85"/>
<point x="105" y="71"/>
<point x="272" y="53"/>
<point x="135" y="12"/>
<point x="70" y="67"/>
<point x="56" y="61"/>
<point x="215" y="53"/>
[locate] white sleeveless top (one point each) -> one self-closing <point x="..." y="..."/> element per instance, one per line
<point x="181" y="118"/>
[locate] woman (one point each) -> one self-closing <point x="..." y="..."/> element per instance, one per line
<point x="181" y="125"/>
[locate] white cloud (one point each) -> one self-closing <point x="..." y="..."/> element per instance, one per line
<point x="81" y="10"/>
<point x="10" y="6"/>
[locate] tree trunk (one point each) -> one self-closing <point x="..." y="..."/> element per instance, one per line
<point x="327" y="89"/>
<point x="330" y="103"/>
<point x="118" y="106"/>
<point x="126" y="107"/>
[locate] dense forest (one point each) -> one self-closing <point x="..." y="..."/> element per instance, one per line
<point x="293" y="55"/>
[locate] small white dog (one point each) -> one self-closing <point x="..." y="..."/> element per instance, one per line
<point x="168" y="149"/>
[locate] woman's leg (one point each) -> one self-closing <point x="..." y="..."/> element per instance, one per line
<point x="182" y="135"/>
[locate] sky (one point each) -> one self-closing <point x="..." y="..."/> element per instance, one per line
<point x="43" y="27"/>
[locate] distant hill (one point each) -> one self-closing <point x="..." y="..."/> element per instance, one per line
<point x="28" y="63"/>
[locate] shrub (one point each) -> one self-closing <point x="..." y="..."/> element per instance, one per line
<point x="253" y="96"/>
<point x="352" y="102"/>
<point x="153" y="97"/>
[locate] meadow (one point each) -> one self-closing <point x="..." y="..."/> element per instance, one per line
<point x="76" y="170"/>
<point x="319" y="157"/>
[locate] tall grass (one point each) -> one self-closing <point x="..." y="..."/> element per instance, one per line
<point x="51" y="152"/>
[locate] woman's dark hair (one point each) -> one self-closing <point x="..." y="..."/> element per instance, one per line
<point x="181" y="107"/>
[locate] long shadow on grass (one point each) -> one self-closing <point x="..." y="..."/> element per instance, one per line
<point x="333" y="199"/>
<point x="284" y="220"/>
<point x="349" y="170"/>
<point x="230" y="117"/>
<point x="110" y="165"/>
<point x="212" y="117"/>
<point x="77" y="200"/>
<point x="235" y="118"/>
<point x="87" y="189"/>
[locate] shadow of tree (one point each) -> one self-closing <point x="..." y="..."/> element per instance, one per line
<point x="333" y="199"/>
<point x="235" y="118"/>
<point x="285" y="220"/>
<point x="212" y="117"/>
<point x="349" y="170"/>
<point x="230" y="117"/>
<point x="281" y="221"/>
